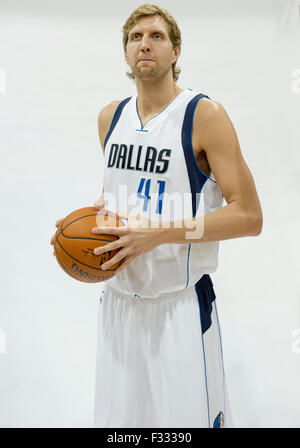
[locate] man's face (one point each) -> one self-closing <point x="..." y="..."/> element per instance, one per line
<point x="149" y="52"/>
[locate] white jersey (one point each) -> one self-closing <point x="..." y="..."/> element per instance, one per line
<point x="152" y="171"/>
<point x="159" y="349"/>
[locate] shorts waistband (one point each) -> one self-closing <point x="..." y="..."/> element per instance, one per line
<point x="138" y="297"/>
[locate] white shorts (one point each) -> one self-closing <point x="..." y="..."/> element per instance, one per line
<point x="159" y="361"/>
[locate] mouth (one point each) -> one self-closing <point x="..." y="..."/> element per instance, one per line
<point x="145" y="60"/>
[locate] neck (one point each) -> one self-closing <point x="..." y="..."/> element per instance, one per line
<point x="155" y="95"/>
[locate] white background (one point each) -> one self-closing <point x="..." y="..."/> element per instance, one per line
<point x="60" y="63"/>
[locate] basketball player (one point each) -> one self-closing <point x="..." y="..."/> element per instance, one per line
<point x="159" y="352"/>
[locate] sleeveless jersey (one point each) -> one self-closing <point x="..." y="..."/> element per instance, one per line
<point x="152" y="171"/>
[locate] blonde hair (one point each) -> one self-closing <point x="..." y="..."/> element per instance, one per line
<point x="148" y="11"/>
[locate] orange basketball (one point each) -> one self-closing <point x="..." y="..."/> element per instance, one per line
<point x="75" y="243"/>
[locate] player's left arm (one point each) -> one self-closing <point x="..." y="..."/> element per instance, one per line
<point x="214" y="133"/>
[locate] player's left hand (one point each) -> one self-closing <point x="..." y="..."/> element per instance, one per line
<point x="138" y="236"/>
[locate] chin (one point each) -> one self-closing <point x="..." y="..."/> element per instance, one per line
<point x="146" y="76"/>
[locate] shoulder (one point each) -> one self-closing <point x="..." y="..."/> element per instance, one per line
<point x="208" y="109"/>
<point x="211" y="121"/>
<point x="105" y="117"/>
<point x="107" y="113"/>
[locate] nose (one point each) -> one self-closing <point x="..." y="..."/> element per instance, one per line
<point x="145" y="44"/>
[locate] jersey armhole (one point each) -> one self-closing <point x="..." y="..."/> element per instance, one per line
<point x="197" y="177"/>
<point x="193" y="104"/>
<point x="115" y="119"/>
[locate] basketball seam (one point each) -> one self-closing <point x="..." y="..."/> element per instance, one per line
<point x="85" y="238"/>
<point x="79" y="261"/>
<point x="80" y="217"/>
<point x="79" y="237"/>
<point x="62" y="264"/>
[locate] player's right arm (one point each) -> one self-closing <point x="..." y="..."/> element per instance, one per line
<point x="104" y="121"/>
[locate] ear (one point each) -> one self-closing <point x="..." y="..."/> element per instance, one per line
<point x="176" y="53"/>
<point x="126" y="57"/>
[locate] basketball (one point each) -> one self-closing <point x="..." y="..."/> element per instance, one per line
<point x="75" y="243"/>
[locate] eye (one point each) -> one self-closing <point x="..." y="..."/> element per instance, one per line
<point x="157" y="36"/>
<point x="135" y="36"/>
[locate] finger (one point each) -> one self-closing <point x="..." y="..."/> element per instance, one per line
<point x="110" y="230"/>
<point x="58" y="222"/>
<point x="52" y="241"/>
<point x="115" y="259"/>
<point x="108" y="247"/>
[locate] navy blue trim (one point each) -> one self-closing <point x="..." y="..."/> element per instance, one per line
<point x="199" y="98"/>
<point x="206" y="296"/>
<point x="220" y="339"/>
<point x="188" y="259"/>
<point x="196" y="177"/>
<point x="203" y="350"/>
<point x="206" y="385"/>
<point x="218" y="419"/>
<point x="187" y="267"/>
<point x="116" y="118"/>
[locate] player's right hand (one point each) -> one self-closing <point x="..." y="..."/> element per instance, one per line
<point x="58" y="223"/>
